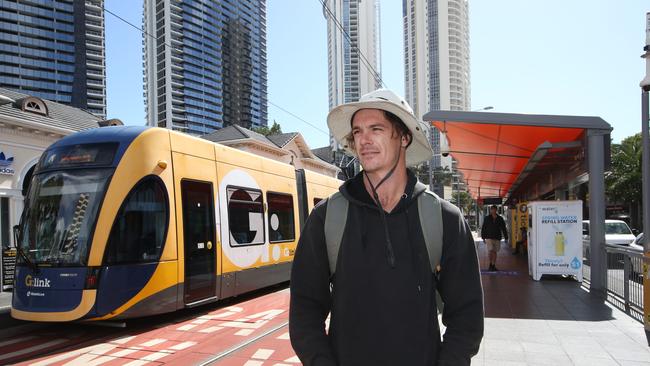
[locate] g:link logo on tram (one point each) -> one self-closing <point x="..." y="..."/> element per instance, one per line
<point x="36" y="282"/>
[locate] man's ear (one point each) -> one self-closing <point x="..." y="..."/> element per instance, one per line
<point x="404" y="141"/>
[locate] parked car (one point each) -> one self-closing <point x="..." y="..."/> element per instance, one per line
<point x="637" y="246"/>
<point x="616" y="232"/>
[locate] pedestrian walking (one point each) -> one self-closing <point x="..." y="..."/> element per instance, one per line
<point x="493" y="226"/>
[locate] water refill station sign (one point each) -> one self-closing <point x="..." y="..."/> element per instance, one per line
<point x="555" y="238"/>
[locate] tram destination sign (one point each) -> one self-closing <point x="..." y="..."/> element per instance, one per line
<point x="8" y="268"/>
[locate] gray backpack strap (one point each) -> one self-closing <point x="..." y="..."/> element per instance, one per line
<point x="335" y="219"/>
<point x="430" y="212"/>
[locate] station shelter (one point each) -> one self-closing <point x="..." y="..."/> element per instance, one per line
<point x="516" y="158"/>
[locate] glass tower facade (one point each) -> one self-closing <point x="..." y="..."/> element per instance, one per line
<point x="437" y="60"/>
<point x="353" y="48"/>
<point x="205" y="64"/>
<point x="54" y="49"/>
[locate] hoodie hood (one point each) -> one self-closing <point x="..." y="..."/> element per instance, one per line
<point x="355" y="191"/>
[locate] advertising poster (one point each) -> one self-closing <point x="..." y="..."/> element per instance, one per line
<point x="557" y="236"/>
<point x="8" y="268"/>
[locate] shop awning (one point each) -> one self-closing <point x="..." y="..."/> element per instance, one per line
<point x="499" y="154"/>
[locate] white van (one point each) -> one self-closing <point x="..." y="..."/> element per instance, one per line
<point x="616" y="232"/>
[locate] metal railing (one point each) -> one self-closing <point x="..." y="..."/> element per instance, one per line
<point x="624" y="278"/>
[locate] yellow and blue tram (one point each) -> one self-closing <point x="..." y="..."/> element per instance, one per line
<point x="124" y="222"/>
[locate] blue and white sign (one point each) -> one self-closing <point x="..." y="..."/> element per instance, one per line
<point x="555" y="242"/>
<point x="5" y="164"/>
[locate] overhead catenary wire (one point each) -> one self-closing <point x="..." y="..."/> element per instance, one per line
<point x="144" y="32"/>
<point x="364" y="60"/>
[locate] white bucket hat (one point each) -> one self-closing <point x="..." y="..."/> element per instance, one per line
<point x="339" y="122"/>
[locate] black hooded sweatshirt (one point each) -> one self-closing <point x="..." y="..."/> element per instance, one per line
<point x="383" y="315"/>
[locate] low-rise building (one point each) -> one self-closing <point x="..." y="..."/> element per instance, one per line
<point x="289" y="148"/>
<point x="28" y="125"/>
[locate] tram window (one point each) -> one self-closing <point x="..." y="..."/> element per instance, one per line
<point x="138" y="233"/>
<point x="245" y="216"/>
<point x="281" y="226"/>
<point x="316" y="200"/>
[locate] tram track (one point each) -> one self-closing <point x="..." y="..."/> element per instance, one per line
<point x="230" y="329"/>
<point x="243" y="344"/>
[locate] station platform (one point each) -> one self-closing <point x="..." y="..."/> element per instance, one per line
<point x="554" y="321"/>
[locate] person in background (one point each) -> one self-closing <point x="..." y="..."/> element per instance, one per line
<point x="491" y="232"/>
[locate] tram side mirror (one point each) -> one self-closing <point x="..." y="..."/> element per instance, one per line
<point x="635" y="232"/>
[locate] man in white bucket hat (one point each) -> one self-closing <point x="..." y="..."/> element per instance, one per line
<point x="373" y="254"/>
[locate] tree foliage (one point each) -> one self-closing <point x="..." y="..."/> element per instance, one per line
<point x="623" y="184"/>
<point x="266" y="131"/>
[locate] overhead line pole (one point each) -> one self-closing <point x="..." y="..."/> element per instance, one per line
<point x="645" y="168"/>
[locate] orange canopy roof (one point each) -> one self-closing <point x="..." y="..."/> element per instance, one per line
<point x="492" y="149"/>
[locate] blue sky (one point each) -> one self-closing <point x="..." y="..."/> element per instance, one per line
<point x="577" y="57"/>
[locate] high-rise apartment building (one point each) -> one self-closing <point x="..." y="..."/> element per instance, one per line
<point x="54" y="49"/>
<point x="353" y="47"/>
<point x="436" y="54"/>
<point x="205" y="64"/>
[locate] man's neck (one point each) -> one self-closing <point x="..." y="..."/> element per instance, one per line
<point x="391" y="190"/>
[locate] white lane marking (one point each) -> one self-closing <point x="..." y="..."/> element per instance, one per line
<point x="122" y="340"/>
<point x="266" y="315"/>
<point x="243" y="325"/>
<point x="136" y="363"/>
<point x="253" y="363"/>
<point x="210" y="330"/>
<point x="32" y="349"/>
<point x="263" y="354"/>
<point x="124" y="352"/>
<point x="245" y="332"/>
<point x="293" y="359"/>
<point x="92" y="356"/>
<point x="153" y="342"/>
<point x="15" y="340"/>
<point x="182" y="346"/>
<point x="89" y="360"/>
<point x="200" y="321"/>
<point x="217" y="316"/>
<point x="148" y="358"/>
<point x="235" y="309"/>
<point x="186" y="327"/>
<point x="64" y="356"/>
<point x="284" y="336"/>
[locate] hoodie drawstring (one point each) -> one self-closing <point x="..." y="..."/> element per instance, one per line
<point x="389" y="245"/>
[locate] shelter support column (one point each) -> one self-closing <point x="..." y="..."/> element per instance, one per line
<point x="645" y="188"/>
<point x="598" y="256"/>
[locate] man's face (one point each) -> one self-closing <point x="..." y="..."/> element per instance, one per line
<point x="493" y="211"/>
<point x="375" y="142"/>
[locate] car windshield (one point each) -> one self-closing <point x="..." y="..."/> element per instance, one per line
<point x="59" y="215"/>
<point x="617" y="228"/>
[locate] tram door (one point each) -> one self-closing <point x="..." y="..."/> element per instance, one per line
<point x="195" y="181"/>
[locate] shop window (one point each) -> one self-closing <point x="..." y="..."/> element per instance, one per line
<point x="245" y="216"/>
<point x="281" y="227"/>
<point x="138" y="233"/>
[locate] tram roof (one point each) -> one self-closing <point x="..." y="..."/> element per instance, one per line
<point x="509" y="155"/>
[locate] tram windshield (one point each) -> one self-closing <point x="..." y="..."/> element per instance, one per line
<point x="60" y="213"/>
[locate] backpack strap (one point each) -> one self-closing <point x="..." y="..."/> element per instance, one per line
<point x="335" y="219"/>
<point x="430" y="211"/>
